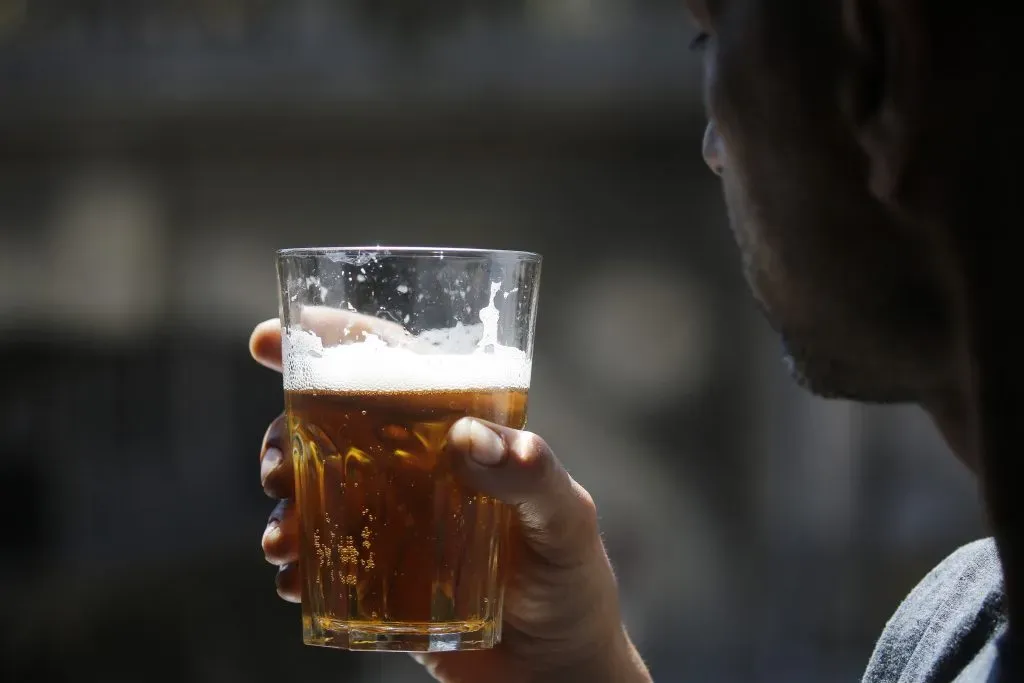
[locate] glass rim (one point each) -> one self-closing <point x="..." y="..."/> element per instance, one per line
<point x="382" y="250"/>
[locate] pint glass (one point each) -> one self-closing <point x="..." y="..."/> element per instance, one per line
<point x="384" y="350"/>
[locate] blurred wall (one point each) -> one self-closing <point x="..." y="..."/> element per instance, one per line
<point x="153" y="156"/>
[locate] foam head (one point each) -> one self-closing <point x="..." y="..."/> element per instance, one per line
<point x="374" y="366"/>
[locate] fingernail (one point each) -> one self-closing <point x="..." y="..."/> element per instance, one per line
<point x="271" y="459"/>
<point x="271" y="533"/>
<point x="482" y="444"/>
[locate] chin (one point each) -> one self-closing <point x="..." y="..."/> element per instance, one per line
<point x="832" y="378"/>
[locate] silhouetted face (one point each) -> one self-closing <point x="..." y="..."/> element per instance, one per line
<point x="850" y="290"/>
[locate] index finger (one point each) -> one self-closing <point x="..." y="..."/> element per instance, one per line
<point x="332" y="325"/>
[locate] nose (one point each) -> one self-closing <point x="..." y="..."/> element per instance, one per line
<point x="714" y="155"/>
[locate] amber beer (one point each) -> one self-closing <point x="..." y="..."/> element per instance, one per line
<point x="392" y="541"/>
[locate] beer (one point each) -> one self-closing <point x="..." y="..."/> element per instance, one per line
<point x="392" y="542"/>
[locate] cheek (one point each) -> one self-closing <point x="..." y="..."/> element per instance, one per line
<point x="761" y="261"/>
<point x="741" y="222"/>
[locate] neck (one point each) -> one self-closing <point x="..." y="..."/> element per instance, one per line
<point x="980" y="412"/>
<point x="997" y="407"/>
<point x="983" y="424"/>
<point x="980" y="420"/>
<point x="968" y="201"/>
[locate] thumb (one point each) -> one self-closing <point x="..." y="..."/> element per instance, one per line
<point x="557" y="516"/>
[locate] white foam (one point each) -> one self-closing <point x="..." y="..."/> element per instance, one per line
<point x="463" y="357"/>
<point x="373" y="366"/>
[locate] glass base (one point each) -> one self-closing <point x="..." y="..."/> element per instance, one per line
<point x="400" y="637"/>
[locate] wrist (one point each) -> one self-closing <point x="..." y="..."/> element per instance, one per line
<point x="595" y="646"/>
<point x="625" y="665"/>
<point x="613" y="659"/>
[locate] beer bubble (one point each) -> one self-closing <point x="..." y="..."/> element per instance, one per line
<point x="348" y="553"/>
<point x="368" y="563"/>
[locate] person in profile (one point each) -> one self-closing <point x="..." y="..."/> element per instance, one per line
<point x="868" y="151"/>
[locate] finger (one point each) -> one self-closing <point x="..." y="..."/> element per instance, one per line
<point x="332" y="325"/>
<point x="335" y="326"/>
<point x="281" y="537"/>
<point x="557" y="516"/>
<point x="288" y="581"/>
<point x="276" y="473"/>
<point x="265" y="344"/>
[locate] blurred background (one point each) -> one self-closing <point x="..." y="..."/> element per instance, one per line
<point x="154" y="154"/>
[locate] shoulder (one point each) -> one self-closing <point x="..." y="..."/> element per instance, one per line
<point x="945" y="621"/>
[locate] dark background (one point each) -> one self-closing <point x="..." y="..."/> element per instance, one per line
<point x="153" y="155"/>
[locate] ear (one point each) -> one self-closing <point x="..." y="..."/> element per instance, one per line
<point x="881" y="88"/>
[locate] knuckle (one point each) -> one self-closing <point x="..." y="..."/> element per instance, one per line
<point x="280" y="510"/>
<point x="271" y="541"/>
<point x="534" y="455"/>
<point x="281" y="578"/>
<point x="580" y="525"/>
<point x="534" y="443"/>
<point x="275" y="433"/>
<point x="586" y="504"/>
<point x="278" y="483"/>
<point x="270" y="487"/>
<point x="278" y="537"/>
<point x="287" y="583"/>
<point x="572" y="530"/>
<point x="275" y="491"/>
<point x="581" y="522"/>
<point x="587" y="524"/>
